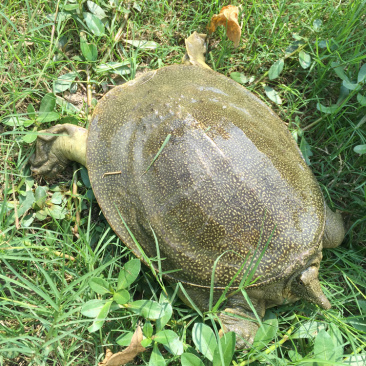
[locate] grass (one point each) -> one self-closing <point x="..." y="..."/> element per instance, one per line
<point x="46" y="269"/>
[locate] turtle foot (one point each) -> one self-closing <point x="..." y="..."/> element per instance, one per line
<point x="56" y="147"/>
<point x="242" y="324"/>
<point x="334" y="229"/>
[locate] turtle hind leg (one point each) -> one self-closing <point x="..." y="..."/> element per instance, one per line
<point x="334" y="229"/>
<point x="243" y="324"/>
<point x="237" y="317"/>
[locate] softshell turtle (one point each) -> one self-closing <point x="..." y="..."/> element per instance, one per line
<point x="189" y="155"/>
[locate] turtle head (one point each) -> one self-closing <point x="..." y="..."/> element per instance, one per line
<point x="195" y="50"/>
<point x="306" y="286"/>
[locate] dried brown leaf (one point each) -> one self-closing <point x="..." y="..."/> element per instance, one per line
<point x="128" y="354"/>
<point x="228" y="17"/>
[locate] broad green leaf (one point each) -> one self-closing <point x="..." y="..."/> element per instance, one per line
<point x="41" y="215"/>
<point x="68" y="119"/>
<point x="128" y="274"/>
<point x="40" y="196"/>
<point x="70" y="7"/>
<point x="336" y="335"/>
<point x="324" y="348"/>
<point x="361" y="99"/>
<point x="89" y="50"/>
<point x="308" y="330"/>
<point x="267" y="331"/>
<point x="322" y="43"/>
<point x="294" y="355"/>
<point x="121" y="297"/>
<point x="111" y="66"/>
<point x="361" y="77"/>
<point x="317" y="23"/>
<point x="165" y="336"/>
<point x="125" y="339"/>
<point x="272" y="95"/>
<point x="94" y="24"/>
<point x="15" y="121"/>
<point x="146" y="342"/>
<point x="143" y="45"/>
<point x="297" y="37"/>
<point x="10" y="353"/>
<point x="64" y="82"/>
<point x="48" y="103"/>
<point x="227" y="342"/>
<point x="358" y="323"/>
<point x="167" y="312"/>
<point x="276" y="69"/>
<point x="30" y="137"/>
<point x="85" y="177"/>
<point x="304" y="59"/>
<point x="67" y="106"/>
<point x="362" y="305"/>
<point x="96" y="10"/>
<point x="56" y="198"/>
<point x="146" y="308"/>
<point x="31" y="111"/>
<point x="147" y="329"/>
<point x="360" y="149"/>
<point x="355" y="360"/>
<point x="156" y="358"/>
<point x="137" y="6"/>
<point x="101" y="317"/>
<point x="339" y="70"/>
<point x="120" y="68"/>
<point x="74" y="88"/>
<point x="204" y="339"/>
<point x="343" y="94"/>
<point x="27" y="220"/>
<point x="28" y="122"/>
<point x="351" y="86"/>
<point x="29" y="182"/>
<point x="175" y="347"/>
<point x="48" y="117"/>
<point x="329" y="110"/>
<point x="56" y="211"/>
<point x="189" y="359"/>
<point x="99" y="285"/>
<point x="26" y="203"/>
<point x="306" y="150"/>
<point x="92" y="308"/>
<point x="239" y="77"/>
<point x="293" y="47"/>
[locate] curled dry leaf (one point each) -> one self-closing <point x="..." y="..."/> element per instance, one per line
<point x="228" y="17"/>
<point x="128" y="354"/>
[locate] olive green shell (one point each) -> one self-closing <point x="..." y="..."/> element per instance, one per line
<point x="229" y="180"/>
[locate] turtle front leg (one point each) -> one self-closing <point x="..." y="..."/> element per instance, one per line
<point x="56" y="147"/>
<point x="334" y="229"/>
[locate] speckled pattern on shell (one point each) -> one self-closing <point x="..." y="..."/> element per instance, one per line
<point x="229" y="179"/>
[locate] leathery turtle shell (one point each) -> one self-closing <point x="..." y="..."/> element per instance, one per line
<point x="229" y="179"/>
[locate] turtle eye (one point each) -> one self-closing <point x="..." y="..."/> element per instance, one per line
<point x="299" y="280"/>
